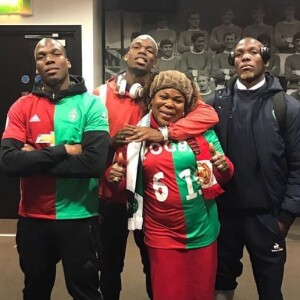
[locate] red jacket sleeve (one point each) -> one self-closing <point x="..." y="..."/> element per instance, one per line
<point x="202" y="118"/>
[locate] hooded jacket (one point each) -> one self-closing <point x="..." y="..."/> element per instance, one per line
<point x="55" y="185"/>
<point x="278" y="154"/>
<point x="77" y="86"/>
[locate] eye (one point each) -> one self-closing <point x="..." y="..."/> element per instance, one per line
<point x="179" y="100"/>
<point x="40" y="56"/>
<point x="150" y="50"/>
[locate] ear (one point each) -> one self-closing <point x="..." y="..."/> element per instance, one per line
<point x="126" y="57"/>
<point x="150" y="105"/>
<point x="154" y="64"/>
<point x="36" y="72"/>
<point x="69" y="64"/>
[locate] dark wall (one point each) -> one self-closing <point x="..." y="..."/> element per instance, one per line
<point x="210" y="10"/>
<point x="148" y="6"/>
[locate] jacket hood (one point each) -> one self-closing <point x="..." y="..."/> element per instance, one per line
<point x="76" y="87"/>
<point x="273" y="84"/>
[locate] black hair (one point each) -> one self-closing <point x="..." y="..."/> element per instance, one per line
<point x="196" y="35"/>
<point x="228" y="33"/>
<point x="165" y="42"/>
<point x="48" y="40"/>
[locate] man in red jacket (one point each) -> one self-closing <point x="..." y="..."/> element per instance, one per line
<point x="125" y="97"/>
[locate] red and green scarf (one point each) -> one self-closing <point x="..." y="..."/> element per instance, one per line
<point x="134" y="177"/>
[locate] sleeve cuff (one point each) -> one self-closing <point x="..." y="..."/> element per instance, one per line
<point x="286" y="217"/>
<point x="165" y="132"/>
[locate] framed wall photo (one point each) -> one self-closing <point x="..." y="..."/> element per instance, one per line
<point x="15" y="7"/>
<point x="223" y="23"/>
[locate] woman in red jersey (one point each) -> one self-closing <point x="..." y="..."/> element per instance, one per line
<point x="173" y="194"/>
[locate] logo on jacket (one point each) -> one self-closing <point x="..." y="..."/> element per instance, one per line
<point x="73" y="115"/>
<point x="35" y="118"/>
<point x="276" y="248"/>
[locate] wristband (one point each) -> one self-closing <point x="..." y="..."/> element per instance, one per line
<point x="165" y="132"/>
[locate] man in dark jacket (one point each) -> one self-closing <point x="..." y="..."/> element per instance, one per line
<point x="263" y="197"/>
<point x="56" y="139"/>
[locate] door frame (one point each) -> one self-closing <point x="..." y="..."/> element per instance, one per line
<point x="43" y="31"/>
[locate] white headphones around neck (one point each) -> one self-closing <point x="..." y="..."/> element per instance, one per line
<point x="135" y="91"/>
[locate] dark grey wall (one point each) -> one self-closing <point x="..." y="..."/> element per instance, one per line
<point x="210" y="10"/>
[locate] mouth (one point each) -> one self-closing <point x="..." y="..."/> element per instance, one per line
<point x="166" y="115"/>
<point x="246" y="68"/>
<point x="141" y="60"/>
<point x="51" y="70"/>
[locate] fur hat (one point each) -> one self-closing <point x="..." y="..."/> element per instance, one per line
<point x="172" y="79"/>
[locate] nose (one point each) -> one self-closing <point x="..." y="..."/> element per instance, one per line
<point x="169" y="103"/>
<point x="49" y="58"/>
<point x="246" y="56"/>
<point x="142" y="50"/>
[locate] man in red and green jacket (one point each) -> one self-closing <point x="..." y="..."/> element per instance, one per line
<point x="56" y="139"/>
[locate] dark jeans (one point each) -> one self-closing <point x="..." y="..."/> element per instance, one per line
<point x="261" y="236"/>
<point x="43" y="243"/>
<point x="114" y="236"/>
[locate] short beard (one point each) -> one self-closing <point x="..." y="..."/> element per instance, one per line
<point x="248" y="76"/>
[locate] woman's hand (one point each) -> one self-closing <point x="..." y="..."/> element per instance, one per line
<point x="140" y="134"/>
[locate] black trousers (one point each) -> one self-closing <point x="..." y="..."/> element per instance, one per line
<point x="261" y="236"/>
<point x="43" y="243"/>
<point x="114" y="234"/>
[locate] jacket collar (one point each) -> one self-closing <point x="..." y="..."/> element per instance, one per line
<point x="77" y="86"/>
